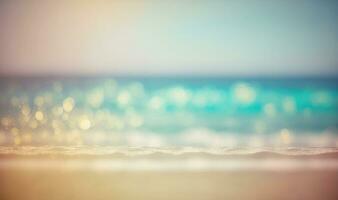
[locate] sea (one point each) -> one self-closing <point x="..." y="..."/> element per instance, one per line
<point x="203" y="112"/>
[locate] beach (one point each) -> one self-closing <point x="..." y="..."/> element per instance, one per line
<point x="21" y="184"/>
<point x="175" y="138"/>
<point x="261" y="175"/>
<point x="168" y="100"/>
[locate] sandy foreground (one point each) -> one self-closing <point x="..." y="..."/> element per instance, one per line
<point x="249" y="177"/>
<point x="34" y="185"/>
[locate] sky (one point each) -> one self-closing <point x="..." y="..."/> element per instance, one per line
<point x="148" y="37"/>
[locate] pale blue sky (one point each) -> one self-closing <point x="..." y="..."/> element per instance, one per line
<point x="243" y="37"/>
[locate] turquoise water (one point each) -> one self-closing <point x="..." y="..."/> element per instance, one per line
<point x="137" y="111"/>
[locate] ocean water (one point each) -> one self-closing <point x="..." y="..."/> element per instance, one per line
<point x="201" y="112"/>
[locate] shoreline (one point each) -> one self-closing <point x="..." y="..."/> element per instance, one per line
<point x="167" y="159"/>
<point x="156" y="175"/>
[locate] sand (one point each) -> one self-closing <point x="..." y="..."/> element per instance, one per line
<point x="81" y="178"/>
<point x="54" y="184"/>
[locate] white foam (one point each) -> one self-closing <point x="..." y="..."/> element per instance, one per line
<point x="170" y="151"/>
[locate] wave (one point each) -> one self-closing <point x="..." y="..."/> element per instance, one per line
<point x="167" y="159"/>
<point x="168" y="152"/>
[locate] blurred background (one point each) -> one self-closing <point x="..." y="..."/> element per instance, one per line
<point x="226" y="99"/>
<point x="169" y="73"/>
